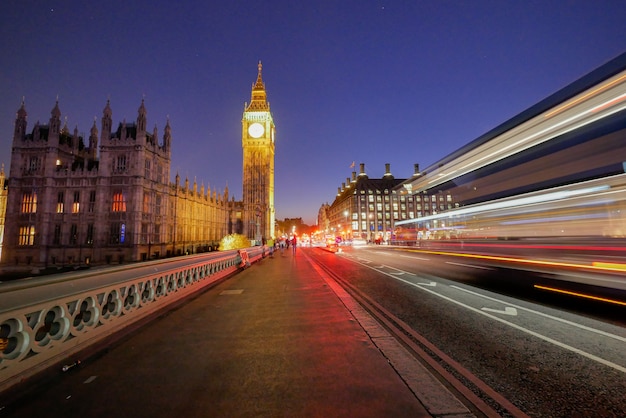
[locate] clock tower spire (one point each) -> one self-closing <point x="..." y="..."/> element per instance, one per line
<point x="257" y="140"/>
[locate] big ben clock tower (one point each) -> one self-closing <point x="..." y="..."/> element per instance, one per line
<point x="257" y="140"/>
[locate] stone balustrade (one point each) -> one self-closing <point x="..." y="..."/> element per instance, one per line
<point x="46" y="321"/>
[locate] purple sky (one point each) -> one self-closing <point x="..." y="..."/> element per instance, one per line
<point x="377" y="82"/>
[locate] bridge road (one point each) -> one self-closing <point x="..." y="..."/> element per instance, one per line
<point x="274" y="340"/>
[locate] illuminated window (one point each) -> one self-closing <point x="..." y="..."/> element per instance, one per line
<point x="29" y="202"/>
<point x="146" y="202"/>
<point x="60" y="200"/>
<point x="119" y="202"/>
<point x="27" y="235"/>
<point x="76" y="203"/>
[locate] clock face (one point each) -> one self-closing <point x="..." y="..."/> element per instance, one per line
<point x="256" y="130"/>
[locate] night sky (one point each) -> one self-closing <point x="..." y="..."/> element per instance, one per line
<point x="373" y="82"/>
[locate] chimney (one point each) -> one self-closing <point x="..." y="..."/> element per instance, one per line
<point x="387" y="170"/>
<point x="354" y="177"/>
<point x="348" y="181"/>
<point x="362" y="166"/>
<point x="338" y="191"/>
<point x="416" y="169"/>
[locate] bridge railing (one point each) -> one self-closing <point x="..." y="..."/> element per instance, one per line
<point x="45" y="321"/>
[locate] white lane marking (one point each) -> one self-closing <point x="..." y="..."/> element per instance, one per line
<point x="398" y="270"/>
<point x="512" y="325"/>
<point x="507" y="310"/>
<point x="415" y="257"/>
<point x="527" y="331"/>
<point x="554" y="318"/>
<point x="90" y="379"/>
<point x="469" y="265"/>
<point x="431" y="284"/>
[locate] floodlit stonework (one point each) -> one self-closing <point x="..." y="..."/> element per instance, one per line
<point x="75" y="201"/>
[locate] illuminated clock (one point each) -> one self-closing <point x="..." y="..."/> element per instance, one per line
<point x="256" y="130"/>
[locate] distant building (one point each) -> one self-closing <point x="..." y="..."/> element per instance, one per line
<point x="368" y="208"/>
<point x="70" y="205"/>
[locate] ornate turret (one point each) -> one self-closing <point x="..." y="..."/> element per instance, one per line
<point x="107" y="121"/>
<point x="93" y="140"/>
<point x="55" y="121"/>
<point x="20" y="124"/>
<point x="141" y="119"/>
<point x="258" y="100"/>
<point x="167" y="137"/>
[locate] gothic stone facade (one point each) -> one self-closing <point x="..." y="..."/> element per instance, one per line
<point x="69" y="204"/>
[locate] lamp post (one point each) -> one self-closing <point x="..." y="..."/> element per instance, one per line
<point x="345" y="214"/>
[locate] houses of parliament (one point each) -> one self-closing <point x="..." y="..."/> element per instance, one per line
<point x="108" y="198"/>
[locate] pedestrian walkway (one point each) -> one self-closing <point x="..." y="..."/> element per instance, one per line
<point x="275" y="340"/>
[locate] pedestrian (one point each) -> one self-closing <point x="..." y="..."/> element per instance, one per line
<point x="282" y="246"/>
<point x="294" y="244"/>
